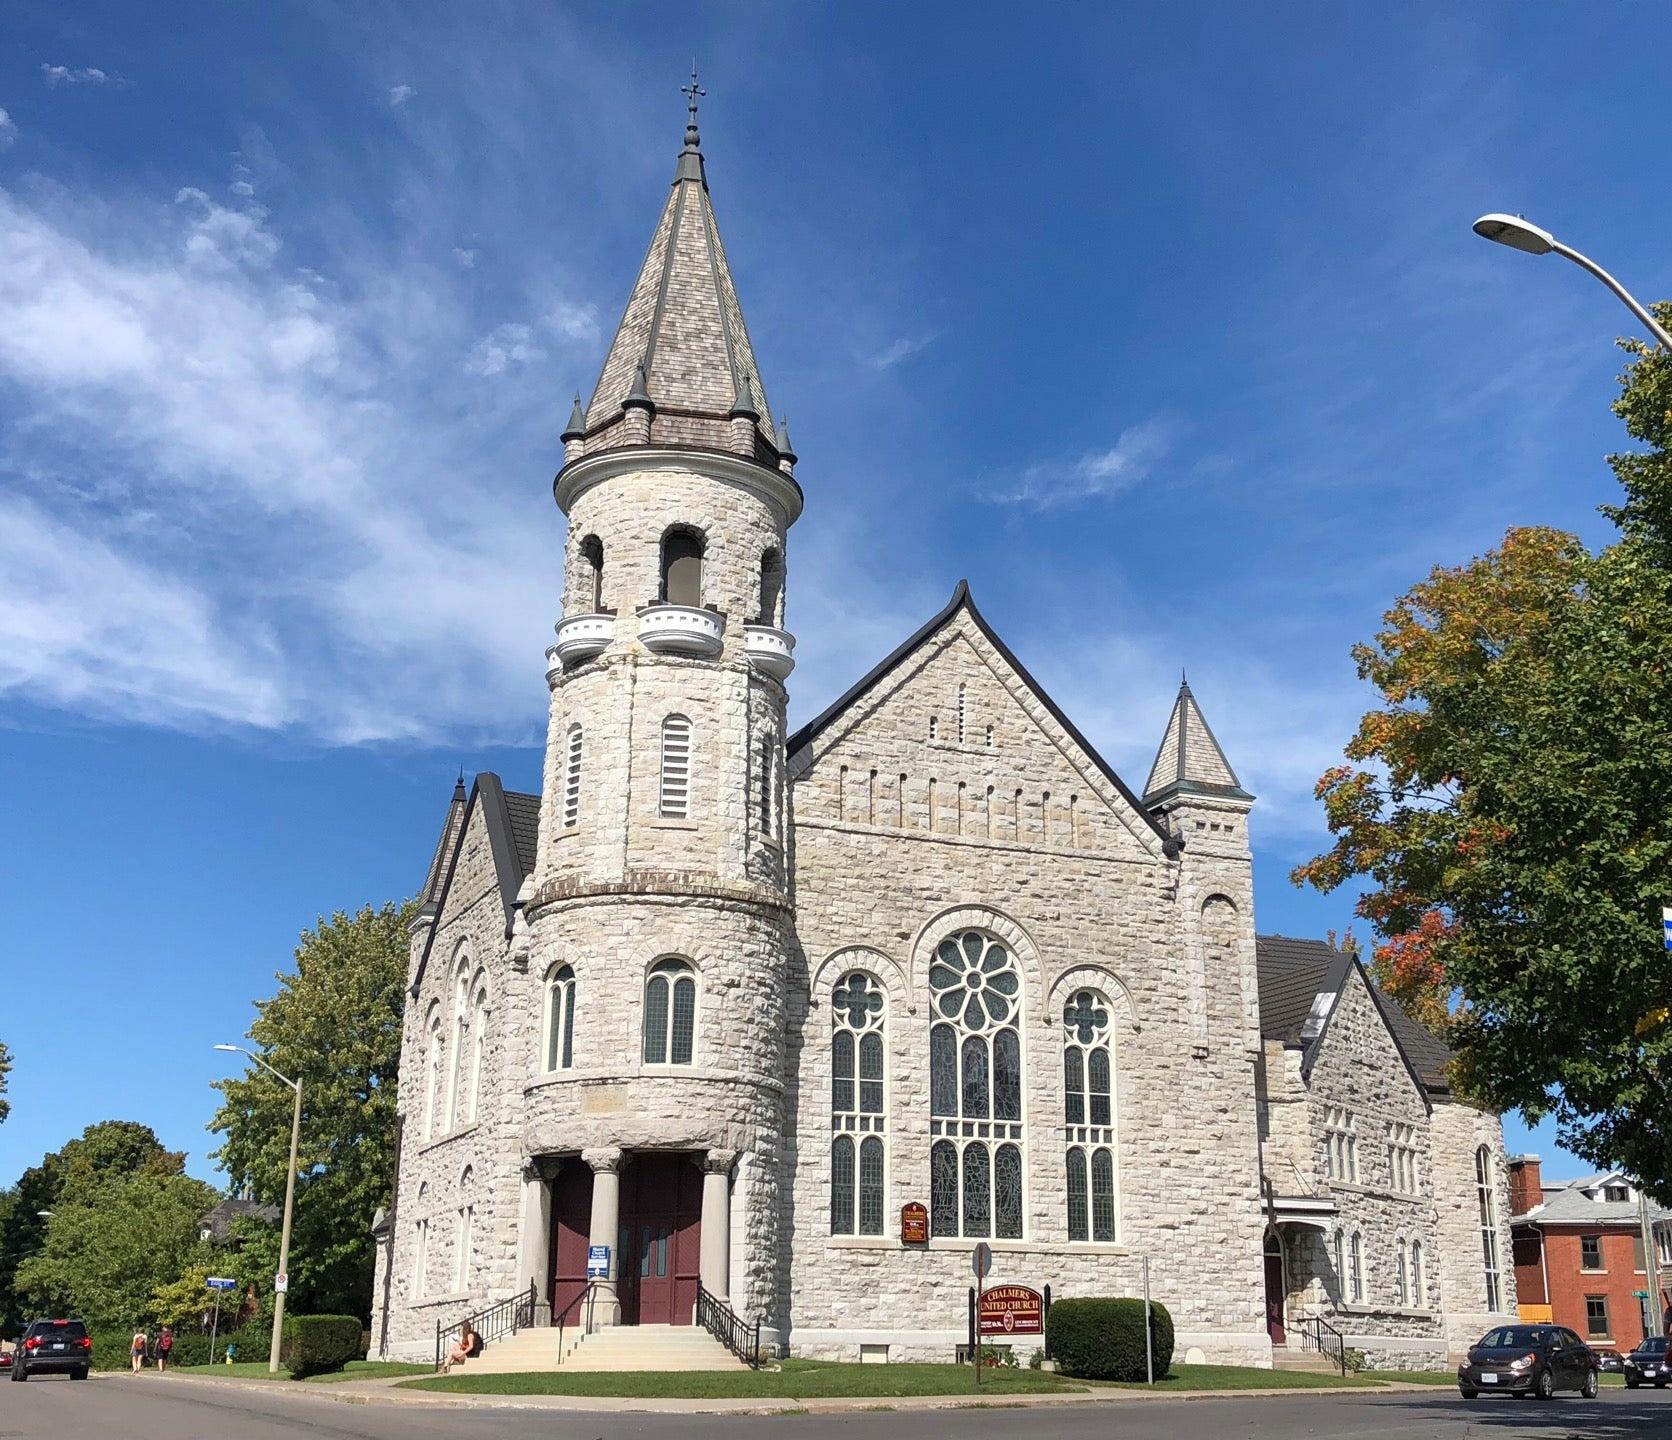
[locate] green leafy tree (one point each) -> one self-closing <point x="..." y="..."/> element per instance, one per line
<point x="108" y="1249"/>
<point x="108" y="1148"/>
<point x="181" y="1303"/>
<point x="1510" y="805"/>
<point x="335" y="1024"/>
<point x="5" y="1075"/>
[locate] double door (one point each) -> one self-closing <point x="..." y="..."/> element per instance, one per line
<point x="661" y="1239"/>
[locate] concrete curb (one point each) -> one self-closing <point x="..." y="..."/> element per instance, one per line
<point x="384" y="1392"/>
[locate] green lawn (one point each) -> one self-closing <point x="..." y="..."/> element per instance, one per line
<point x="354" y="1370"/>
<point x="1237" y="1377"/>
<point x="796" y="1380"/>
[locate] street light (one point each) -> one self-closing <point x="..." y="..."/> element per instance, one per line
<point x="1530" y="239"/>
<point x="289" y="1199"/>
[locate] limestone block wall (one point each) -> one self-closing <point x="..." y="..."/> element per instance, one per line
<point x="1459" y="1132"/>
<point x="1022" y="838"/>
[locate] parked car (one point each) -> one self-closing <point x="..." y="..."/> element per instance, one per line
<point x="61" y="1346"/>
<point x="5" y="1359"/>
<point x="1528" y="1360"/>
<point x="1650" y="1363"/>
<point x="1610" y="1362"/>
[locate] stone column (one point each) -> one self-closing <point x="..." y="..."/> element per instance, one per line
<point x="534" y="1235"/>
<point x="715" y="1260"/>
<point x="606" y="1227"/>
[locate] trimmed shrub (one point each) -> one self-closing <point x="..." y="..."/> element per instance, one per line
<point x="1103" y="1338"/>
<point x="110" y="1347"/>
<point x="314" y="1344"/>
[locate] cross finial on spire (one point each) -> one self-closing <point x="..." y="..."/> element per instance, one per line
<point x="692" y="92"/>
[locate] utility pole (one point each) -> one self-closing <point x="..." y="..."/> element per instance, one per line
<point x="1651" y="1262"/>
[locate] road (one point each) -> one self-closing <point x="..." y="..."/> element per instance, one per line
<point x="48" y="1408"/>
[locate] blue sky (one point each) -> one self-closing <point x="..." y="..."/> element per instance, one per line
<point x="1163" y="325"/>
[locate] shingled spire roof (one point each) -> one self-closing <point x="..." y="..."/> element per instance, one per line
<point x="1190" y="758"/>
<point x="683" y="325"/>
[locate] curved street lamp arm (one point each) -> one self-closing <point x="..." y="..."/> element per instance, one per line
<point x="1585" y="262"/>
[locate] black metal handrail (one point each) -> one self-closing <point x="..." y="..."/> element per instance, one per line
<point x="503" y="1317"/>
<point x="718" y="1318"/>
<point x="582" y="1316"/>
<point x="1317" y="1334"/>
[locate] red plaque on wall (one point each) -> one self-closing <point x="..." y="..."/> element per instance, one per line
<point x="914" y="1224"/>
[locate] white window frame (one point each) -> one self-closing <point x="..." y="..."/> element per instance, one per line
<point x="557" y="1022"/>
<point x="1402" y="1158"/>
<point x="1086" y="1035"/>
<point x="574" y="758"/>
<point x="1358" y="1286"/>
<point x="466" y="1232"/>
<point x="854" y="1121"/>
<point x="678" y="752"/>
<point x="434" y="1071"/>
<point x="1486" y="1201"/>
<point x="421" y="1248"/>
<point x="671" y="969"/>
<point x="1419" y="1276"/>
<point x="1341" y="1144"/>
<point x="479" y="1013"/>
<point x="455" y="1051"/>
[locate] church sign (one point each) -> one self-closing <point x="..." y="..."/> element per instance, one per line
<point x="914" y="1224"/>
<point x="1011" y="1310"/>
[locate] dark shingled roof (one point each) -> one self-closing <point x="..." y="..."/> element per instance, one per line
<point x="1292" y="973"/>
<point x="525" y="825"/>
<point x="219" y="1221"/>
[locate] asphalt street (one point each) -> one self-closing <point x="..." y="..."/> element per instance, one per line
<point x="48" y="1408"/>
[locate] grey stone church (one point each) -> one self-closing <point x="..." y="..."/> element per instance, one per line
<point x="722" y="999"/>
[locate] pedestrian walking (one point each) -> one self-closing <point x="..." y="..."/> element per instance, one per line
<point x="141" y="1342"/>
<point x="165" y="1346"/>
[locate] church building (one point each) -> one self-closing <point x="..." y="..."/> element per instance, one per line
<point x="701" y="1024"/>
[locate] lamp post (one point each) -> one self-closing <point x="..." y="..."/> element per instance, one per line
<point x="1523" y="235"/>
<point x="289" y="1199"/>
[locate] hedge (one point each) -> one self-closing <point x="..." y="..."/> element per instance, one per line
<point x="1103" y="1338"/>
<point x="111" y="1348"/>
<point x="314" y="1344"/>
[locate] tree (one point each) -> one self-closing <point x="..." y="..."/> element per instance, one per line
<point x="1510" y="805"/>
<point x="108" y="1148"/>
<point x="109" y="1248"/>
<point x="336" y="1024"/>
<point x="5" y="1073"/>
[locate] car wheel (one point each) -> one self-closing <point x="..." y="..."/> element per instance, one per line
<point x="1589" y="1388"/>
<point x="1466" y="1392"/>
<point x="1631" y="1384"/>
<point x="1545" y="1386"/>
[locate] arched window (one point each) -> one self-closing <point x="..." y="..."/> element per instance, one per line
<point x="670" y="1013"/>
<point x="858" y="1105"/>
<point x="1338" y="1253"/>
<point x="455" y="1051"/>
<point x="772" y="587"/>
<point x="1401" y="1274"/>
<point x="560" y="1018"/>
<point x="421" y="1246"/>
<point x="572" y="779"/>
<point x="478" y="1052"/>
<point x="767" y="777"/>
<point x="432" y="1079"/>
<point x="676" y="768"/>
<point x="1088" y="1116"/>
<point x="466" y="1231"/>
<point x="1355" y="1268"/>
<point x="1487" y="1202"/>
<point x="682" y="552"/>
<point x="975" y="1088"/>
<point x="1419" y="1280"/>
<point x="592" y="574"/>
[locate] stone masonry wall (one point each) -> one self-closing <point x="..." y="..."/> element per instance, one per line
<point x="1459" y="1132"/>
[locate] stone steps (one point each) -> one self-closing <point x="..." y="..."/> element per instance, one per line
<point x="615" y="1347"/>
<point x="1283" y="1358"/>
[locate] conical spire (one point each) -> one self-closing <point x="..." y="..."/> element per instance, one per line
<point x="1189" y="757"/>
<point x="684" y="328"/>
<point x="576" y="428"/>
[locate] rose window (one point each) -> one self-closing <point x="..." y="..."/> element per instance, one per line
<point x="973" y="980"/>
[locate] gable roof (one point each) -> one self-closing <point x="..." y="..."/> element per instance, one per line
<point x="219" y="1221"/>
<point x="512" y="822"/>
<point x="1190" y="757"/>
<point x="962" y="600"/>
<point x="1571" y="1206"/>
<point x="1300" y="983"/>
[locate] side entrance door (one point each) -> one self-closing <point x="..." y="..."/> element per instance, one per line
<point x="571" y="1230"/>
<point x="661" y="1239"/>
<point x="1275" y="1327"/>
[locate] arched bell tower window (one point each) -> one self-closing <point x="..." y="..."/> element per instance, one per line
<point x="592" y="574"/>
<point x="682" y="552"/>
<point x="772" y="587"/>
<point x="560" y="1018"/>
<point x="670" y="1013"/>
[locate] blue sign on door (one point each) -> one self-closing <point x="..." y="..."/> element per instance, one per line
<point x="597" y="1262"/>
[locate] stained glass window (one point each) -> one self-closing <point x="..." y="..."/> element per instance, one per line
<point x="870" y="1186"/>
<point x="1078" y="1227"/>
<point x="1007" y="1193"/>
<point x="670" y="1014"/>
<point x="943" y="1071"/>
<point x="858" y="1104"/>
<point x="841" y="1186"/>
<point x="943" y="1188"/>
<point x="978" y="1199"/>
<point x="1088" y="1117"/>
<point x="1102" y="1195"/>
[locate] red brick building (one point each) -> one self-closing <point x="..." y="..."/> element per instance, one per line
<point x="1578" y="1250"/>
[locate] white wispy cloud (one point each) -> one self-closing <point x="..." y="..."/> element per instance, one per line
<point x="503" y="347"/>
<point x="902" y="349"/>
<point x="80" y="75"/>
<point x="465" y="257"/>
<point x="8" y="131"/>
<point x="399" y="95"/>
<point x="1131" y="459"/>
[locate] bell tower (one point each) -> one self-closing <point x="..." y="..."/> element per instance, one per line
<point x="661" y="884"/>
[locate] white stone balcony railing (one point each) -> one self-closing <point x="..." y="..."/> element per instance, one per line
<point x="681" y="630"/>
<point x="769" y="649"/>
<point x="580" y="637"/>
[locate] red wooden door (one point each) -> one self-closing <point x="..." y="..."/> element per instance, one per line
<point x="571" y="1230"/>
<point x="1274" y="1299"/>
<point x="661" y="1240"/>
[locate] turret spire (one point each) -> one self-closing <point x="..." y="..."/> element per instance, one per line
<point x="1190" y="757"/>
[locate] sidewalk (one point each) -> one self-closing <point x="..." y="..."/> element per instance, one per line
<point x="386" y="1392"/>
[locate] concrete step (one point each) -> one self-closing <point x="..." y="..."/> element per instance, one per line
<point x="615" y="1347"/>
<point x="1283" y="1358"/>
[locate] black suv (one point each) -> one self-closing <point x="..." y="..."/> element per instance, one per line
<point x="1528" y="1360"/>
<point x="1650" y="1363"/>
<point x="54" y="1345"/>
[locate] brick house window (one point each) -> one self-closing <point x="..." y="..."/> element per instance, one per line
<point x="1590" y="1252"/>
<point x="858" y="1108"/>
<point x="1402" y="1159"/>
<point x="1596" y="1317"/>
<point x="1341" y="1142"/>
<point x="975" y="1088"/>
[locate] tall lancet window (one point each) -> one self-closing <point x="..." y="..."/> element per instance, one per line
<point x="975" y="1088"/>
<point x="560" y="1018"/>
<point x="591" y="592"/>
<point x="670" y="1013"/>
<point x="858" y="1105"/>
<point x="675" y="800"/>
<point x="1088" y="1117"/>
<point x="682" y="552"/>
<point x="772" y="588"/>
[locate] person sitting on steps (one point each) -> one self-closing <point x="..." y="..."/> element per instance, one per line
<point x="466" y="1347"/>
